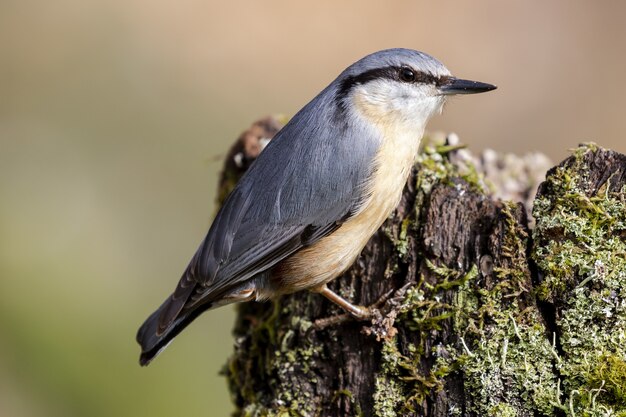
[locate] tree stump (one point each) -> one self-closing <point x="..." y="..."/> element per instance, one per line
<point x="481" y="316"/>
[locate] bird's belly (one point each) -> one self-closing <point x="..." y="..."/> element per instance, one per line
<point x="334" y="254"/>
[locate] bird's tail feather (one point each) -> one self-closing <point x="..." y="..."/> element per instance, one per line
<point x="153" y="339"/>
<point x="176" y="313"/>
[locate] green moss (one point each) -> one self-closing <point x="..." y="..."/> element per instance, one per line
<point x="582" y="253"/>
<point x="346" y="393"/>
<point x="273" y="367"/>
<point x="513" y="361"/>
<point x="402" y="243"/>
<point x="510" y="356"/>
<point x="505" y="350"/>
<point x="502" y="352"/>
<point x="400" y="387"/>
<point x="609" y="374"/>
<point x="502" y="410"/>
<point x="510" y="363"/>
<point x="435" y="167"/>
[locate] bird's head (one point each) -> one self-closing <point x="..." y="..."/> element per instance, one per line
<point x="400" y="87"/>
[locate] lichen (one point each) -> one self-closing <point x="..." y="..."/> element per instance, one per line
<point x="388" y="396"/>
<point x="435" y="167"/>
<point x="510" y="358"/>
<point x="511" y="364"/>
<point x="581" y="251"/>
<point x="503" y="352"/>
<point x="400" y="387"/>
<point x="273" y="367"/>
<point x="513" y="361"/>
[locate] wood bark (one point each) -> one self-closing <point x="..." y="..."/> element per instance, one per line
<point x="472" y="308"/>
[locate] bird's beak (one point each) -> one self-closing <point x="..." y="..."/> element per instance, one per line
<point x="457" y="86"/>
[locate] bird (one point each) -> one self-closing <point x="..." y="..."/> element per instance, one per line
<point x="307" y="206"/>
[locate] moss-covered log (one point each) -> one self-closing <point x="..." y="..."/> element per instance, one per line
<point x="480" y="315"/>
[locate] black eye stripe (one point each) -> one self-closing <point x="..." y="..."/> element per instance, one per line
<point x="390" y="73"/>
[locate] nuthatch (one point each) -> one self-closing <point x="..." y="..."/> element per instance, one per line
<point x="304" y="210"/>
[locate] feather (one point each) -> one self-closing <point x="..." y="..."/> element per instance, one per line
<point x="311" y="178"/>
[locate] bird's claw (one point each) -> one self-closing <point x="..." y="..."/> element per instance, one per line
<point x="356" y="312"/>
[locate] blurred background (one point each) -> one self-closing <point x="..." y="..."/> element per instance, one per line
<point x="114" y="117"/>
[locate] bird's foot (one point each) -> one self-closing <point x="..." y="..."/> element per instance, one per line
<point x="354" y="312"/>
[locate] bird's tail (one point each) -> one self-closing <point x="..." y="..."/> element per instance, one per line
<point x="180" y="309"/>
<point x="153" y="341"/>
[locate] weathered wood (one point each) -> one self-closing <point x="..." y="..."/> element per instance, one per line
<point x="459" y="331"/>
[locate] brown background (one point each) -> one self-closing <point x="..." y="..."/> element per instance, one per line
<point x="114" y="115"/>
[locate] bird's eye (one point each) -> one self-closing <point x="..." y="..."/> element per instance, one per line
<point x="407" y="75"/>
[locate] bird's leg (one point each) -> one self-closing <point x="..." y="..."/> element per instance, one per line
<point x="358" y="312"/>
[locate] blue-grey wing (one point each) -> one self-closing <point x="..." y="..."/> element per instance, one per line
<point x="310" y="178"/>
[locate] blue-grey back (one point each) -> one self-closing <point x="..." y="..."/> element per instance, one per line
<point x="310" y="177"/>
<point x="308" y="180"/>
